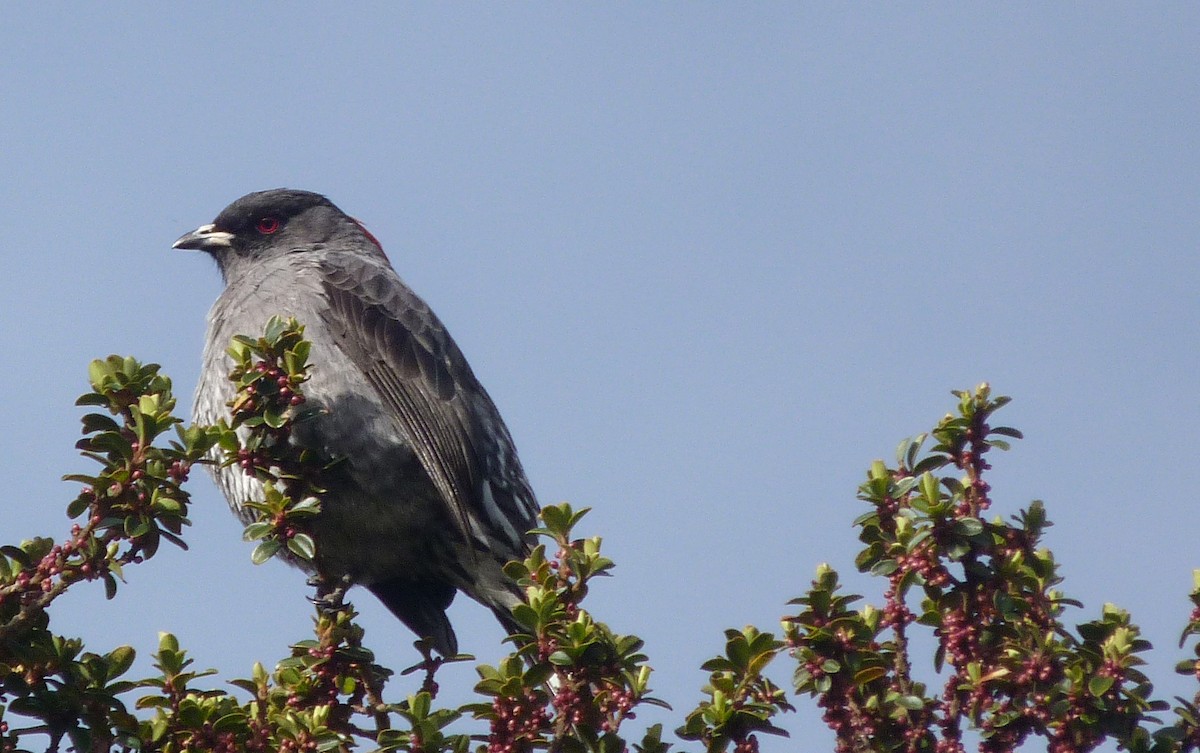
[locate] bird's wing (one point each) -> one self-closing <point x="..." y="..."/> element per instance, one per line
<point x="456" y="432"/>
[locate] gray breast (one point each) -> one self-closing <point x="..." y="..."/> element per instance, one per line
<point x="378" y="492"/>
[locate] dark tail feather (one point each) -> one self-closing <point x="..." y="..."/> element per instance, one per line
<point x="423" y="608"/>
<point x="510" y="625"/>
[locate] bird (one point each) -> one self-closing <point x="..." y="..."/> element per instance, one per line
<point x="429" y="497"/>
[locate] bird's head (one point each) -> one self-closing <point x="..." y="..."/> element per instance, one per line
<point x="269" y="224"/>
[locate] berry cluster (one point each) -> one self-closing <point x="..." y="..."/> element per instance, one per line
<point x="54" y="569"/>
<point x="274" y="388"/>
<point x="857" y="721"/>
<point x="975" y="500"/>
<point x="570" y="705"/>
<point x="47" y="569"/>
<point x="179" y="471"/>
<point x="265" y="397"/>
<point x="301" y="743"/>
<point x="269" y="373"/>
<point x="950" y="742"/>
<point x="748" y="745"/>
<point x="615" y="703"/>
<point x="518" y="724"/>
<point x="592" y="697"/>
<point x="852" y="728"/>
<point x="896" y="613"/>
<point x="570" y="588"/>
<point x="207" y="738"/>
<point x="925" y="560"/>
<point x="961" y="626"/>
<point x="325" y="671"/>
<point x="575" y="679"/>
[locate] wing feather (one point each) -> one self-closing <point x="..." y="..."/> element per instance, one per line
<point x="419" y="373"/>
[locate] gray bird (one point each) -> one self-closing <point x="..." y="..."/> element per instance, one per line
<point x="429" y="497"/>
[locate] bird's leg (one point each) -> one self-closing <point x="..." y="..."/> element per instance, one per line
<point x="331" y="592"/>
<point x="430" y="664"/>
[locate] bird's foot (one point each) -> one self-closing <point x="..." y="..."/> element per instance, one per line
<point x="429" y="664"/>
<point x="331" y="592"/>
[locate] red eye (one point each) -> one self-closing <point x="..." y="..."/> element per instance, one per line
<point x="267" y="225"/>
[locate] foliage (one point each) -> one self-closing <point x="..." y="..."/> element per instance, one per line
<point x="126" y="510"/>
<point x="986" y="590"/>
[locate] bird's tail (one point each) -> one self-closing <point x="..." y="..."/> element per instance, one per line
<point x="422" y="608"/>
<point x="501" y="596"/>
<point x="505" y="617"/>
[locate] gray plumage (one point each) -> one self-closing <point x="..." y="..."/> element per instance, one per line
<point x="430" y="497"/>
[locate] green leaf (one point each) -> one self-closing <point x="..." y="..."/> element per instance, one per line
<point x="94" y="422"/>
<point x="869" y="674"/>
<point x="884" y="567"/>
<point x="98" y="372"/>
<point x="121" y="659"/>
<point x="1007" y="431"/>
<point x="561" y="658"/>
<point x="77" y="506"/>
<point x="302" y="546"/>
<point x="135" y="527"/>
<point x="910" y="702"/>
<point x="256" y="531"/>
<point x="239" y="348"/>
<point x="969" y="526"/>
<point x="168" y="642"/>
<point x="929" y="488"/>
<point x="1099" y="685"/>
<point x="275" y="327"/>
<point x="264" y="551"/>
<point x="306" y="506"/>
<point x="555" y="519"/>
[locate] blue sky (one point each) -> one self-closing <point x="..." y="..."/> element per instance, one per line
<point x="710" y="261"/>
